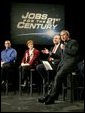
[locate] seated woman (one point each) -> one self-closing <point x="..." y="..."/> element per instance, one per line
<point x="29" y="60"/>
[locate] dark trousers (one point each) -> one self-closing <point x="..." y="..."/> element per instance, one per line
<point x="7" y="71"/>
<point x="42" y="72"/>
<point x="60" y="77"/>
<point x="25" y="72"/>
<point x="47" y="76"/>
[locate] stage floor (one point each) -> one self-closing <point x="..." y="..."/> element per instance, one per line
<point x="27" y="103"/>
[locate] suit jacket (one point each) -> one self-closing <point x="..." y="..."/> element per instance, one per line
<point x="70" y="54"/>
<point x="34" y="59"/>
<point x="56" y="56"/>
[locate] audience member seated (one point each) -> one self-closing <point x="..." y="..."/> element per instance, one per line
<point x="29" y="60"/>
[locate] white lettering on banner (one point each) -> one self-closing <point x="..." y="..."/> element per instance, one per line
<point x="35" y="16"/>
<point x="37" y="21"/>
<point x="33" y="26"/>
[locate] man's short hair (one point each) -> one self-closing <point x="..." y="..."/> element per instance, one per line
<point x="66" y="31"/>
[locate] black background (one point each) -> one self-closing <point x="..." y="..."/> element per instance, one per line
<point x="74" y="22"/>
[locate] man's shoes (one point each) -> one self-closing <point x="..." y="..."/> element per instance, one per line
<point x="43" y="99"/>
<point x="50" y="100"/>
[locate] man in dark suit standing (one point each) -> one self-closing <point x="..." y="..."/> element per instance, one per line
<point x="54" y="57"/>
<point x="66" y="65"/>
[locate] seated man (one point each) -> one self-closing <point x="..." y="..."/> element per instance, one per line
<point x="54" y="57"/>
<point x="30" y="59"/>
<point x="8" y="59"/>
<point x="66" y="65"/>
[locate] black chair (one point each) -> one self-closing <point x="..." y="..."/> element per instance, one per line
<point x="30" y="85"/>
<point x="72" y="85"/>
<point x="10" y="82"/>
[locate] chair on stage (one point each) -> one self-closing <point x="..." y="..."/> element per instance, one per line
<point x="10" y="83"/>
<point x="31" y="85"/>
<point x="72" y="87"/>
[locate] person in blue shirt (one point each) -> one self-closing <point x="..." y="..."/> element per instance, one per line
<point x="8" y="60"/>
